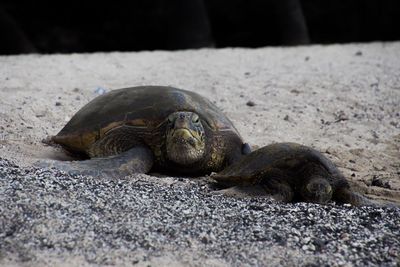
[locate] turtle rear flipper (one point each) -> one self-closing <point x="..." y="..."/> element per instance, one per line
<point x="241" y="191"/>
<point x="345" y="195"/>
<point x="136" y="160"/>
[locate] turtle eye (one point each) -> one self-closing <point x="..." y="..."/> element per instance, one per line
<point x="171" y="118"/>
<point x="328" y="189"/>
<point x="195" y="118"/>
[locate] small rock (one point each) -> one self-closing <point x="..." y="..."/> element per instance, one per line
<point x="100" y="90"/>
<point x="375" y="135"/>
<point x="324" y="122"/>
<point x="319" y="244"/>
<point x="256" y="207"/>
<point x="379" y="167"/>
<point x="340" y="116"/>
<point x="280" y="239"/>
<point x="58" y="104"/>
<point x="374" y="85"/>
<point x="345" y="237"/>
<point x="380" y="183"/>
<point x="358" y="53"/>
<point x="286" y="118"/>
<point x="204" y="238"/>
<point x="375" y="214"/>
<point x="250" y="103"/>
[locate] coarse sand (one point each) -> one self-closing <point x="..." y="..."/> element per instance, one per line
<point x="343" y="100"/>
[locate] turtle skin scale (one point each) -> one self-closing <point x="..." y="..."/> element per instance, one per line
<point x="124" y="132"/>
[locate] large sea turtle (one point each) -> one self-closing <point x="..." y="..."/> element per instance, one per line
<point x="289" y="172"/>
<point x="133" y="130"/>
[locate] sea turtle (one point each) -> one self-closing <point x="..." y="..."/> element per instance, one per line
<point x="289" y="172"/>
<point x="133" y="130"/>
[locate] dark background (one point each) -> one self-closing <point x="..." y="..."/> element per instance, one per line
<point x="69" y="26"/>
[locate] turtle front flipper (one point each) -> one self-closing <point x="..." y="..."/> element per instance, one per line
<point x="272" y="183"/>
<point x="135" y="160"/>
<point x="278" y="188"/>
<point x="279" y="191"/>
<point x="234" y="180"/>
<point x="241" y="191"/>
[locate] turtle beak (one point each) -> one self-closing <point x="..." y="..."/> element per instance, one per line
<point x="187" y="136"/>
<point x="183" y="133"/>
<point x="182" y="128"/>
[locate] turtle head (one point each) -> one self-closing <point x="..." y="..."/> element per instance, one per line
<point x="317" y="190"/>
<point x="185" y="138"/>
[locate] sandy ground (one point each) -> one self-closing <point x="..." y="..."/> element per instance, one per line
<point x="343" y="100"/>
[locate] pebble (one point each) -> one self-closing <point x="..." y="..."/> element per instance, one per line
<point x="250" y="103"/>
<point x="106" y="221"/>
<point x="100" y="90"/>
<point x="376" y="181"/>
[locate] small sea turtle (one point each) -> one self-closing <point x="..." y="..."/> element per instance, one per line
<point x="289" y="172"/>
<point x="133" y="130"/>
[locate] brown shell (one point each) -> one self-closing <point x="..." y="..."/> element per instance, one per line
<point x="145" y="107"/>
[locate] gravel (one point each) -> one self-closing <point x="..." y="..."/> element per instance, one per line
<point x="144" y="220"/>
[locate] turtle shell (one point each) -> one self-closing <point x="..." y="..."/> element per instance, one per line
<point x="282" y="156"/>
<point x="144" y="107"/>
